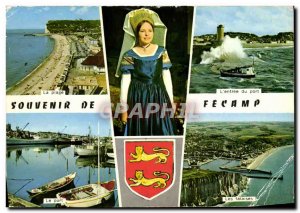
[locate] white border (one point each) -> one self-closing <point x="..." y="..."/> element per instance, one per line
<point x="109" y="3"/>
<point x="186" y="98"/>
<point x="174" y="164"/>
<point x="104" y="51"/>
<point x="111" y="115"/>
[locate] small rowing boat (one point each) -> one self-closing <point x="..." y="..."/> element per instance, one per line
<point x="87" y="195"/>
<point x="53" y="185"/>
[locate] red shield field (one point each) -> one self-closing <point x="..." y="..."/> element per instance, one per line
<point x="149" y="167"/>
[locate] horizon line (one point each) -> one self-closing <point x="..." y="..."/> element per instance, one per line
<point x="244" y="32"/>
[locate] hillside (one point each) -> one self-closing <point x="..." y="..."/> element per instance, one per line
<point x="73" y="26"/>
<point x="249" y="37"/>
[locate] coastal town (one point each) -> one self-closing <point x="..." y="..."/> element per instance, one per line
<point x="76" y="64"/>
<point x="235" y="141"/>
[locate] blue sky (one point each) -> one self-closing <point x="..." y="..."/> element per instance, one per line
<point x="257" y="20"/>
<point x="77" y="123"/>
<point x="37" y="17"/>
<point x="242" y="117"/>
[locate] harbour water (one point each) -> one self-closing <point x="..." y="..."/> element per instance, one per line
<point x="214" y="165"/>
<point x="274" y="69"/>
<point x="274" y="191"/>
<point x="25" y="53"/>
<point x="31" y="166"/>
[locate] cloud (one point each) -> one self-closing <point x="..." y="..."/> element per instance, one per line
<point x="79" y="10"/>
<point x="10" y="11"/>
<point x="82" y="10"/>
<point x="41" y="9"/>
<point x="72" y="9"/>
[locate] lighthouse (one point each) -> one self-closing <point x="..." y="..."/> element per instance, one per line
<point x="220" y="33"/>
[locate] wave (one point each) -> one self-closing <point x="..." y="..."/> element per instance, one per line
<point x="231" y="50"/>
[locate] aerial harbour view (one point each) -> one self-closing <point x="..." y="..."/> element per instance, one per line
<point x="81" y="162"/>
<point x="63" y="54"/>
<point x="228" y="159"/>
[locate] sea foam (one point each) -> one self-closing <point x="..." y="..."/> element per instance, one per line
<point x="230" y="50"/>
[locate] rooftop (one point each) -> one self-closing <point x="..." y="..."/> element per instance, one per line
<point x="94" y="60"/>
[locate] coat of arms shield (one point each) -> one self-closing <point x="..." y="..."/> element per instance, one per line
<point x="149" y="167"/>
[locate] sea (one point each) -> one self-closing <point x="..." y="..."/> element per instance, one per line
<point x="31" y="166"/>
<point x="267" y="191"/>
<point x="25" y="53"/>
<point x="274" y="191"/>
<point x="274" y="69"/>
<point x="216" y="164"/>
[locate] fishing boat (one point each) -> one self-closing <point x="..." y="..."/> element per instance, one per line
<point x="241" y="72"/>
<point x="86" y="150"/>
<point x="110" y="163"/>
<point x="29" y="141"/>
<point x="87" y="195"/>
<point x="60" y="183"/>
<point x="22" y="137"/>
<point x="110" y="155"/>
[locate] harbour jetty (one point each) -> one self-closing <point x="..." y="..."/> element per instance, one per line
<point x="265" y="177"/>
<point x="17" y="202"/>
<point x="37" y="34"/>
<point x="245" y="170"/>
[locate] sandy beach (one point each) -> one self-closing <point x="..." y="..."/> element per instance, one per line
<point x="47" y="74"/>
<point x="260" y="159"/>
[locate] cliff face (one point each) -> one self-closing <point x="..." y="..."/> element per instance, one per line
<point x="209" y="190"/>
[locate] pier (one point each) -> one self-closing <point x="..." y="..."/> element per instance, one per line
<point x="265" y="177"/>
<point x="16" y="202"/>
<point x="245" y="170"/>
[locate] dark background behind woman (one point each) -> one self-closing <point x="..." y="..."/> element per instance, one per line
<point x="178" y="21"/>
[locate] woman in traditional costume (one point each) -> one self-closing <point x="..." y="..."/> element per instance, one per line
<point x="146" y="85"/>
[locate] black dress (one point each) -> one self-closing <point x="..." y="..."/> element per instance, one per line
<point x="150" y="110"/>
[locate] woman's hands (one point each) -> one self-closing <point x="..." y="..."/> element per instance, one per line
<point x="124" y="116"/>
<point x="125" y="82"/>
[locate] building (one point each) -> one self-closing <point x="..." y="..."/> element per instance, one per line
<point x="93" y="63"/>
<point x="86" y="85"/>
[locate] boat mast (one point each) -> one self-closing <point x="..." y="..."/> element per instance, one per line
<point x="89" y="135"/>
<point x="98" y="156"/>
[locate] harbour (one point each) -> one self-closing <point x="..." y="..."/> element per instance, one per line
<point x="273" y="191"/>
<point x="43" y="161"/>
<point x="31" y="166"/>
<point x="235" y="159"/>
